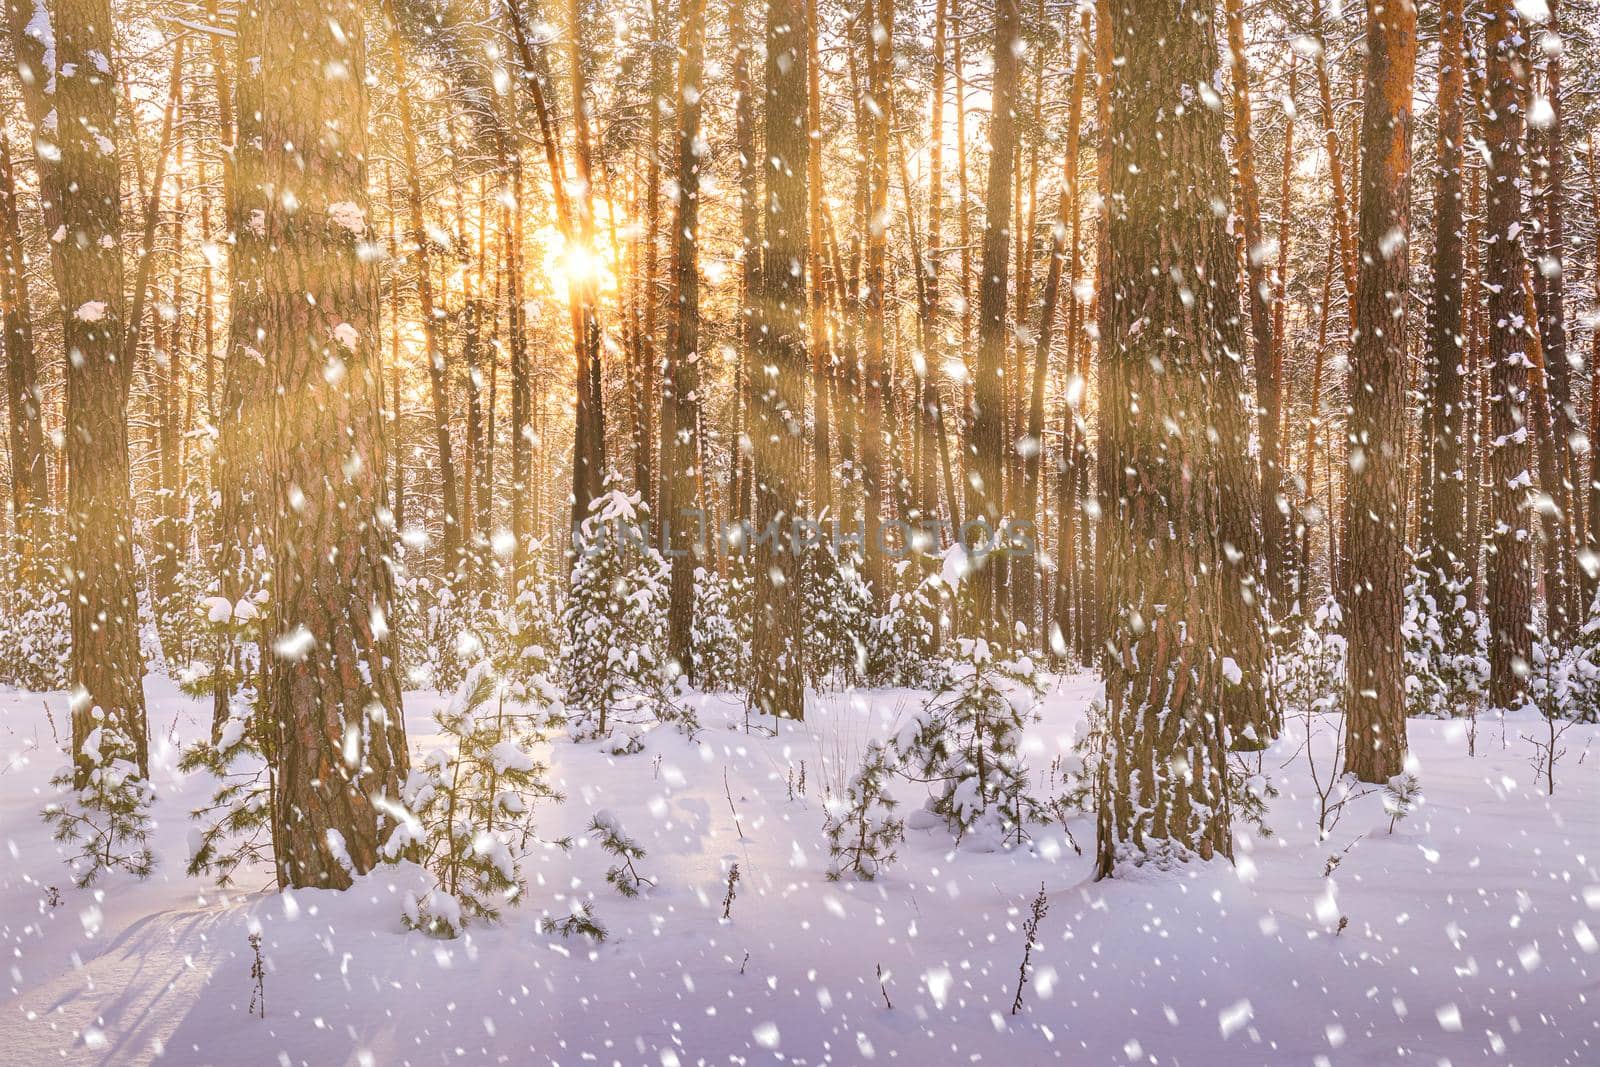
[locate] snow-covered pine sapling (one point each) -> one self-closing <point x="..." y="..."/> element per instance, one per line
<point x="237" y="825"/>
<point x="580" y="921"/>
<point x="614" y="624"/>
<point x="724" y="613"/>
<point x="606" y="828"/>
<point x="1401" y="795"/>
<point x="468" y="807"/>
<point x="966" y="742"/>
<point x="861" y="827"/>
<point x="1030" y="935"/>
<point x="836" y="616"/>
<point x="727" y="899"/>
<point x="105" y="818"/>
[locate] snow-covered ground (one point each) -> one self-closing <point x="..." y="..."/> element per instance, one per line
<point x="1470" y="938"/>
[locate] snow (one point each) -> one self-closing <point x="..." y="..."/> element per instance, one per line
<point x="91" y="311"/>
<point x="1470" y="934"/>
<point x="349" y="215"/>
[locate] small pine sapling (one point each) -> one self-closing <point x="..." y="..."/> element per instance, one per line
<point x="966" y="742"/>
<point x="237" y="825"/>
<point x="724" y="614"/>
<point x="105" y="816"/>
<point x="861" y="828"/>
<point x="836" y="616"/>
<point x="468" y="807"/>
<point x="1401" y="796"/>
<point x="614" y="624"/>
<point x="1030" y="938"/>
<point x="606" y="828"/>
<point x="581" y="921"/>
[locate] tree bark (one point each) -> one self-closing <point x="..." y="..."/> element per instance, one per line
<point x="30" y="489"/>
<point x="986" y="434"/>
<point x="778" y="400"/>
<point x="105" y="662"/>
<point x="1510" y="586"/>
<point x="450" y="544"/>
<point x="1375" y="724"/>
<point x="334" y="691"/>
<point x="1273" y="506"/>
<point x="1170" y="271"/>
<point x="1443" y="496"/>
<point x="680" y="405"/>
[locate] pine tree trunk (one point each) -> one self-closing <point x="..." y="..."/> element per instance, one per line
<point x="986" y="434"/>
<point x="1063" y="247"/>
<point x="30" y="491"/>
<point x="681" y="402"/>
<point x="105" y="660"/>
<point x="878" y="16"/>
<point x="778" y="399"/>
<point x="1274" y="515"/>
<point x="1550" y="271"/>
<point x="1443" y="497"/>
<point x="450" y="544"/>
<point x="1510" y="586"/>
<point x="1375" y="725"/>
<point x="1169" y="270"/>
<point x="750" y="175"/>
<point x="334" y="691"/>
<point x="821" y="357"/>
<point x="589" y="449"/>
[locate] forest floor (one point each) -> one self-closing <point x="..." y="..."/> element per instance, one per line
<point x="1470" y="935"/>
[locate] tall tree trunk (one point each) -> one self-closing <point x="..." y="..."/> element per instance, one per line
<point x="589" y="447"/>
<point x="750" y="171"/>
<point x="821" y="354"/>
<point x="681" y="403"/>
<point x="1592" y="542"/>
<point x="1063" y="242"/>
<point x="1510" y="584"/>
<point x="879" y="19"/>
<point x="334" y="691"/>
<point x="450" y="544"/>
<point x="986" y="435"/>
<point x="105" y="662"/>
<point x="1375" y="724"/>
<point x="778" y="401"/>
<point x="30" y="490"/>
<point x="1551" y="274"/>
<point x="1273" y="507"/>
<point x="1444" y="510"/>
<point x="1170" y="271"/>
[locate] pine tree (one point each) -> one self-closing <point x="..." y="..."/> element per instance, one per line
<point x="333" y="688"/>
<point x="861" y="828"/>
<point x="607" y="831"/>
<point x="238" y="826"/>
<point x="1510" y="579"/>
<point x="615" y="619"/>
<point x="106" y="663"/>
<point x="104" y="814"/>
<point x="469" y="807"/>
<point x="1375" y="512"/>
<point x="723" y="610"/>
<point x="777" y="404"/>
<point x="966" y="742"/>
<point x="1169" y="325"/>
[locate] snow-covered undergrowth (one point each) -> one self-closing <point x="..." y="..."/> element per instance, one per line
<point x="1465" y="934"/>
